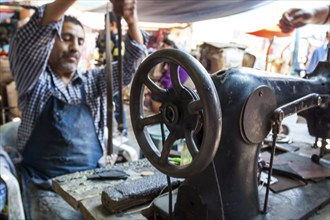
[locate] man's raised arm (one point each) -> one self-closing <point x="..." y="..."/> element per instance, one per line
<point x="55" y="10"/>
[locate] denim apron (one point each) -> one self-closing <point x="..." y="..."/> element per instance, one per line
<point x="63" y="141"/>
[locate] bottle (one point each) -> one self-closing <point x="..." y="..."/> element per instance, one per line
<point x="185" y="155"/>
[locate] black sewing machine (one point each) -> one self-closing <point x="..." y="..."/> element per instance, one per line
<point x="223" y="120"/>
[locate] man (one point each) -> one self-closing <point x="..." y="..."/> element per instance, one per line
<point x="319" y="54"/>
<point x="63" y="110"/>
<point x="165" y="80"/>
<point x="100" y="44"/>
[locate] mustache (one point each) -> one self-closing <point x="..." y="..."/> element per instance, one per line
<point x="71" y="54"/>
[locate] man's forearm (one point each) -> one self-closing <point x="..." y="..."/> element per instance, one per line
<point x="135" y="33"/>
<point x="55" y="10"/>
<point x="321" y="15"/>
<point x="26" y="64"/>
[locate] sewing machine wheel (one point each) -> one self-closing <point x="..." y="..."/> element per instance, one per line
<point x="185" y="112"/>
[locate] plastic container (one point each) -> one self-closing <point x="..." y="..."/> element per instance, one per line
<point x="3" y="194"/>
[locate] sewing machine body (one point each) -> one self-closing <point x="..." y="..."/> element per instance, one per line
<point x="248" y="98"/>
<point x="251" y="103"/>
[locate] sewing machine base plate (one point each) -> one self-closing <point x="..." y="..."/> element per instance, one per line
<point x="297" y="203"/>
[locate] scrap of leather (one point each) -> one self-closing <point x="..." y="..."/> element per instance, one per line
<point x="301" y="166"/>
<point x="109" y="174"/>
<point x="135" y="192"/>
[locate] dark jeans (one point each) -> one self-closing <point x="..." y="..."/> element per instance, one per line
<point x="117" y="114"/>
<point x="46" y="204"/>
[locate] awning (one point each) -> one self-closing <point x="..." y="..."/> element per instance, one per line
<point x="186" y="11"/>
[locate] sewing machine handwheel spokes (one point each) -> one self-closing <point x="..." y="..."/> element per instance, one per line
<point x="184" y="112"/>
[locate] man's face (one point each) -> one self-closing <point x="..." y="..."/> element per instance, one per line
<point x="65" y="55"/>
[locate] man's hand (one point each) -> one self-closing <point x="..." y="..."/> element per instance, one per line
<point x="128" y="10"/>
<point x="298" y="17"/>
<point x="294" y="18"/>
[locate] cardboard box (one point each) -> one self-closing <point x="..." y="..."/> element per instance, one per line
<point x="220" y="56"/>
<point x="12" y="99"/>
<point x="5" y="73"/>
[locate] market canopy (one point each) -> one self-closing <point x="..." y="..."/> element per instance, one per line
<point x="157" y="11"/>
<point x="184" y="11"/>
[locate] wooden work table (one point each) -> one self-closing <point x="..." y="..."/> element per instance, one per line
<point x="84" y="194"/>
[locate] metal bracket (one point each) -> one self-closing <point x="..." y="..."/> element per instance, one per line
<point x="307" y="102"/>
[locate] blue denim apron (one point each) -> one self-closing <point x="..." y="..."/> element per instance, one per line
<point x="63" y="141"/>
